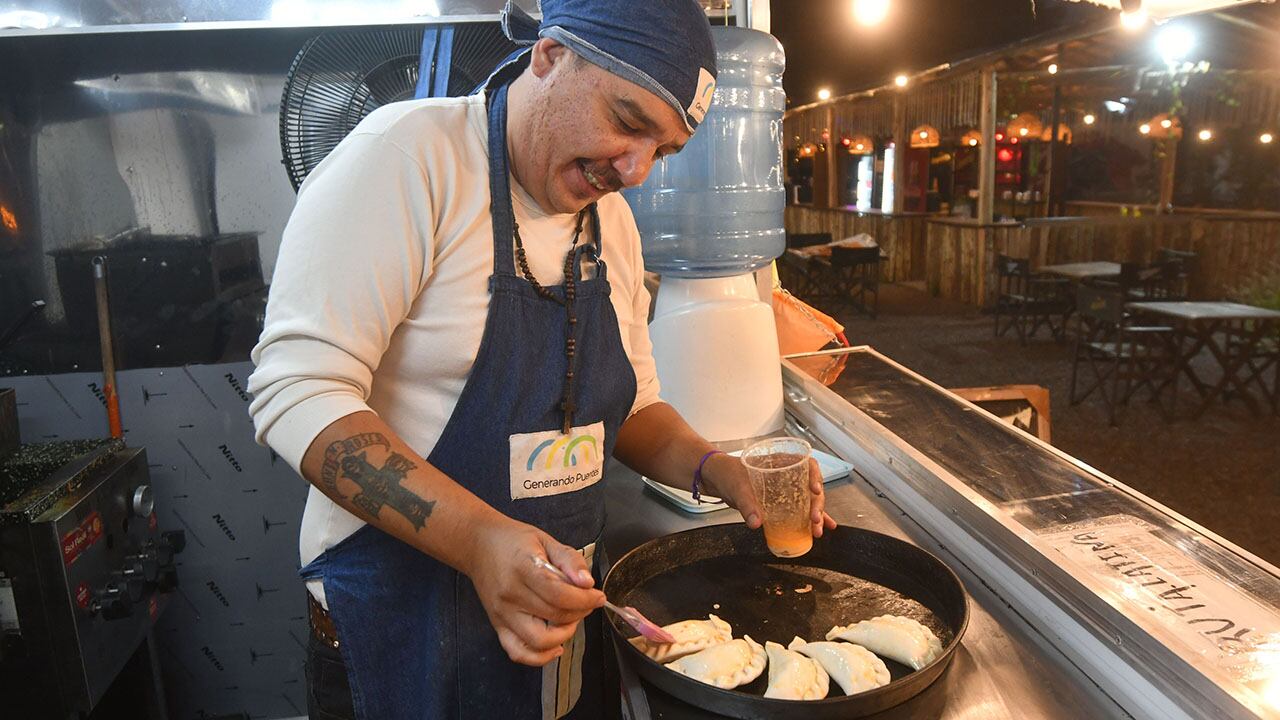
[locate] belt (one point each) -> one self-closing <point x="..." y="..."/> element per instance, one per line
<point x="321" y="622"/>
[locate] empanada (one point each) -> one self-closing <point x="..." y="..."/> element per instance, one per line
<point x="854" y="668"/>
<point x="893" y="636"/>
<point x="726" y="665"/>
<point x="691" y="636"/>
<point x="793" y="676"/>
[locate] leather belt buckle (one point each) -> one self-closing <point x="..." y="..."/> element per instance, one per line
<point x="321" y="622"/>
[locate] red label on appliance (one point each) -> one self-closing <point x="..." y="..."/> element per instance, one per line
<point x="83" y="595"/>
<point x="78" y="540"/>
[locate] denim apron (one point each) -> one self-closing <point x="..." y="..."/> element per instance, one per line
<point x="413" y="635"/>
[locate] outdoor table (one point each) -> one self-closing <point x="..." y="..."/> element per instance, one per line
<point x="807" y="261"/>
<point x="1212" y="325"/>
<point x="1084" y="270"/>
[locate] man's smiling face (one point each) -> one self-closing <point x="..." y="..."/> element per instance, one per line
<point x="588" y="132"/>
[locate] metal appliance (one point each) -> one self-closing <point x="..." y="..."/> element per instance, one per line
<point x="84" y="572"/>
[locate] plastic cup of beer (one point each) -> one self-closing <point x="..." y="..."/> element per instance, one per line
<point x="779" y="473"/>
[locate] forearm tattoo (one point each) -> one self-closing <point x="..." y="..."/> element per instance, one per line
<point x="379" y="486"/>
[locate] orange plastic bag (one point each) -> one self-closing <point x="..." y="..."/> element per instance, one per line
<point x="801" y="327"/>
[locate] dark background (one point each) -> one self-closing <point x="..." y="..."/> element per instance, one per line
<point x="826" y="48"/>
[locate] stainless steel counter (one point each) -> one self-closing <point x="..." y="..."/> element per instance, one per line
<point x="1003" y="668"/>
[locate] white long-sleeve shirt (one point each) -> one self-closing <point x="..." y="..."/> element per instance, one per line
<point x="380" y="291"/>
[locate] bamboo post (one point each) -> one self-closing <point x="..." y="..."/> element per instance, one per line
<point x="986" y="187"/>
<point x="1051" y="188"/>
<point x="901" y="142"/>
<point x="987" y="164"/>
<point x="833" y="166"/>
<point x="1168" y="165"/>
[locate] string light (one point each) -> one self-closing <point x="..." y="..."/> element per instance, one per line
<point x="1266" y="138"/>
<point x="1145" y="129"/>
<point x="1205" y="135"/>
<point x="1166" y="123"/>
<point x="1174" y="43"/>
<point x="824" y="94"/>
<point x="1133" y="21"/>
<point x="1089" y="119"/>
<point x="1053" y="68"/>
<point x="870" y="12"/>
<point x="900" y="81"/>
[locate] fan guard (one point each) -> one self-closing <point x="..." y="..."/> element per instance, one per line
<point x="339" y="77"/>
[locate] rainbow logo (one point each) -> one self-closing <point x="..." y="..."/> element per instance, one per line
<point x="579" y="446"/>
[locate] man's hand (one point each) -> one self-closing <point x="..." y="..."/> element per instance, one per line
<point x="533" y="611"/>
<point x="726" y="477"/>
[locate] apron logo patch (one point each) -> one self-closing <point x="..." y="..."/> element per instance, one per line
<point x="552" y="463"/>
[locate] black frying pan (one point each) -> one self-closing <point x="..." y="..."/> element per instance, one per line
<point x="851" y="575"/>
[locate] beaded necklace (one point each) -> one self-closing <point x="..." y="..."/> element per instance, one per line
<point x="567" y="405"/>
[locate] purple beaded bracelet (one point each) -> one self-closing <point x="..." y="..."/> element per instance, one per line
<point x="697" y="474"/>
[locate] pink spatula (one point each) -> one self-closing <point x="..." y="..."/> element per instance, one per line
<point x="647" y="629"/>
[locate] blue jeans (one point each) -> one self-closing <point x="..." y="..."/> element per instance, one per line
<point x="328" y="691"/>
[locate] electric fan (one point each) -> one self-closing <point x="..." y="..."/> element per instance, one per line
<point x="339" y="77"/>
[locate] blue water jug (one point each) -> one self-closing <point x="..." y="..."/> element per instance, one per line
<point x="715" y="208"/>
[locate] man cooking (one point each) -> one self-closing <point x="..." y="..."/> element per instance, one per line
<point x="455" y="342"/>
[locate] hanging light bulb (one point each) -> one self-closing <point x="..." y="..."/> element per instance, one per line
<point x="1174" y="43"/>
<point x="860" y="145"/>
<point x="1089" y="119"/>
<point x="900" y="81"/>
<point x="1266" y="138"/>
<point x="1163" y="127"/>
<point x="925" y="136"/>
<point x="1133" y="21"/>
<point x="870" y="12"/>
<point x="1205" y="135"/>
<point x="824" y="94"/>
<point x="1026" y="124"/>
<point x="1053" y="68"/>
<point x="1145" y="129"/>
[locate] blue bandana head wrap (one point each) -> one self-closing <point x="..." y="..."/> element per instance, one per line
<point x="664" y="46"/>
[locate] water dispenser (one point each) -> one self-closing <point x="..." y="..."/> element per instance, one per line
<point x="708" y="218"/>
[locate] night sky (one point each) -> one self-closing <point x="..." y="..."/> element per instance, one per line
<point x="825" y="47"/>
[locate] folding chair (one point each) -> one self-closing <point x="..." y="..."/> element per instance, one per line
<point x="1121" y="358"/>
<point x="856" y="274"/>
<point x="1262" y="360"/>
<point x="1160" y="281"/>
<point x="1188" y="262"/>
<point x="1026" y="302"/>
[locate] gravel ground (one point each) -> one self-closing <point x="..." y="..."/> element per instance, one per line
<point x="1222" y="470"/>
